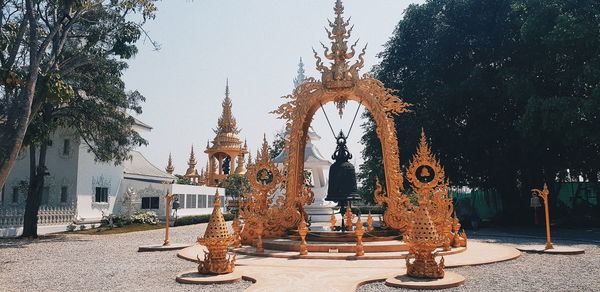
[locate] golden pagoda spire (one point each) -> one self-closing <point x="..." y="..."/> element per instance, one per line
<point x="192" y="161"/>
<point x="263" y="154"/>
<point x="216" y="239"/>
<point x="192" y="172"/>
<point x="340" y="74"/>
<point x="170" y="168"/>
<point x="249" y="160"/>
<point x="226" y="123"/>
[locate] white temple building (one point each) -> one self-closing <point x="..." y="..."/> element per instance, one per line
<point x="81" y="190"/>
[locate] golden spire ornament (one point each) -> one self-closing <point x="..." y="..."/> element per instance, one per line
<point x="236" y="225"/>
<point x="341" y="75"/>
<point x="303" y="231"/>
<point x="332" y="221"/>
<point x="370" y="222"/>
<point x="348" y="219"/>
<point x="359" y="230"/>
<point x="422" y="239"/>
<point x="170" y="168"/>
<point x="216" y="239"/>
<point x="192" y="173"/>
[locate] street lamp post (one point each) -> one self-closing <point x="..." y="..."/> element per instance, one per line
<point x="168" y="199"/>
<point x="544" y="195"/>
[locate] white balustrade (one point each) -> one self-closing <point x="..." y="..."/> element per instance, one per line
<point x="12" y="216"/>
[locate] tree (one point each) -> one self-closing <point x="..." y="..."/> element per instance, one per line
<point x="45" y="38"/>
<point x="235" y="185"/>
<point x="507" y="91"/>
<point x="82" y="90"/>
<point x="278" y="144"/>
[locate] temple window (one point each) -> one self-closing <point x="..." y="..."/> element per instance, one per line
<point x="101" y="195"/>
<point x="150" y="202"/>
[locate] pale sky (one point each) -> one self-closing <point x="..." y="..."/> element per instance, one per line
<point x="257" y="45"/>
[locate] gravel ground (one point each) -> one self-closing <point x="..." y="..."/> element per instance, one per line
<point x="99" y="263"/>
<point x="112" y="263"/>
<point x="530" y="272"/>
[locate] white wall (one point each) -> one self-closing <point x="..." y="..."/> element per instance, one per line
<point x="62" y="169"/>
<point x="91" y="174"/>
<point x="183" y="190"/>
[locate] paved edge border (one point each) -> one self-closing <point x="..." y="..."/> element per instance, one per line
<point x="450" y="280"/>
<point x="209" y="279"/>
<point x="175" y="246"/>
<point x="558" y="250"/>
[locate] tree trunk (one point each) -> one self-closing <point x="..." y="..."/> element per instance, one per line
<point x="13" y="130"/>
<point x="34" y="194"/>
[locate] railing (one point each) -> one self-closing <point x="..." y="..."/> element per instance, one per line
<point x="47" y="215"/>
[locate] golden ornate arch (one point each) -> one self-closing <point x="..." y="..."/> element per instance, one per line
<point x="340" y="82"/>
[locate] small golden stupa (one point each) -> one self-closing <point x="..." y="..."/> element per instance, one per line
<point x="422" y="239"/>
<point x="216" y="239"/>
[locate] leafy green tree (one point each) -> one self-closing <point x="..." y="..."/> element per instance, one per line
<point x="43" y="40"/>
<point x="278" y="144"/>
<point x="508" y="92"/>
<point x="81" y="89"/>
<point x="235" y="185"/>
<point x="183" y="180"/>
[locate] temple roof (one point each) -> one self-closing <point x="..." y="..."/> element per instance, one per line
<point x="227" y="126"/>
<point x="139" y="165"/>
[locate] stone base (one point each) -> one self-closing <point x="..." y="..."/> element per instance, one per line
<point x="193" y="277"/>
<point x="172" y="246"/>
<point x="558" y="249"/>
<point x="450" y="280"/>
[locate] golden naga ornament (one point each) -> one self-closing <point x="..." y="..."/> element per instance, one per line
<point x="422" y="239"/>
<point x="340" y="82"/>
<point x="216" y="239"/>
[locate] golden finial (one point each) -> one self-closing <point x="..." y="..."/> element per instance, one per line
<point x="192" y="173"/>
<point x="170" y="168"/>
<point x="359" y="231"/>
<point x="303" y="231"/>
<point x="340" y="74"/>
<point x="249" y="160"/>
<point x="226" y="123"/>
<point x="216" y="239"/>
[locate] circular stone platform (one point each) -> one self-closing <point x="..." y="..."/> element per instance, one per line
<point x="558" y="249"/>
<point x="193" y="277"/>
<point x="404" y="281"/>
<point x="172" y="246"/>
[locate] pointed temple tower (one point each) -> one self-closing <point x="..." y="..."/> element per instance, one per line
<point x="227" y="150"/>
<point x="192" y="173"/>
<point x="170" y="168"/>
<point x="300" y="78"/>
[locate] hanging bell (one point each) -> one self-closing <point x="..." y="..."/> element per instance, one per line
<point x="342" y="176"/>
